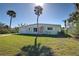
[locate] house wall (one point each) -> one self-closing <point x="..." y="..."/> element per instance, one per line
<point x="42" y="29"/>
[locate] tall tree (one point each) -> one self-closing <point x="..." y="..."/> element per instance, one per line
<point x="74" y="21"/>
<point x="12" y="14"/>
<point x="38" y="11"/>
<point x="77" y="6"/>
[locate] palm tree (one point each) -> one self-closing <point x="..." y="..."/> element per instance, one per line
<point x="12" y="14"/>
<point x="38" y="12"/>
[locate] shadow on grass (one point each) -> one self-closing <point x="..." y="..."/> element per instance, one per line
<point x="59" y="35"/>
<point x="38" y="50"/>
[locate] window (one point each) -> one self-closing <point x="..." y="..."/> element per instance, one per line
<point x="49" y="28"/>
<point x="35" y="29"/>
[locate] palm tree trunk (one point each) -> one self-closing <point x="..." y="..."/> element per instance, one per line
<point x="37" y="31"/>
<point x="10" y="21"/>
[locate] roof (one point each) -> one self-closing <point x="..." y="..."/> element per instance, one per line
<point x="42" y="24"/>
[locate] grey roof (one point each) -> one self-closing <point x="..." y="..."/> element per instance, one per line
<point x="44" y="24"/>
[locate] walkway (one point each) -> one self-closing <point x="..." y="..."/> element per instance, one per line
<point x="2" y="35"/>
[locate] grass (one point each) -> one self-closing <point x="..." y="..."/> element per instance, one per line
<point x="12" y="44"/>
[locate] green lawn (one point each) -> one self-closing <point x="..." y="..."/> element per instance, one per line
<point x="12" y="44"/>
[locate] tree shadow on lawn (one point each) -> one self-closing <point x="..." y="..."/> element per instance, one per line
<point x="32" y="50"/>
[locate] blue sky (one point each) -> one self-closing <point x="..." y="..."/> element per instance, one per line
<point x="52" y="13"/>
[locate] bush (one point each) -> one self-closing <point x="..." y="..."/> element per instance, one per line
<point x="4" y="31"/>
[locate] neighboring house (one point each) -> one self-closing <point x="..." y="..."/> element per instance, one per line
<point x="51" y="29"/>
